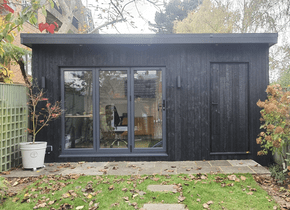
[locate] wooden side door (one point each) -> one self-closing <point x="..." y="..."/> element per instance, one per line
<point x="229" y="108"/>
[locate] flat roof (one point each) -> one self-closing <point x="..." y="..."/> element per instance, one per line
<point x="149" y="39"/>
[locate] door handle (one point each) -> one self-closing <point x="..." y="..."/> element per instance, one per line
<point x="163" y="105"/>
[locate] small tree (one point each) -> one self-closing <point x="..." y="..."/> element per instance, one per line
<point x="275" y="116"/>
<point x="40" y="115"/>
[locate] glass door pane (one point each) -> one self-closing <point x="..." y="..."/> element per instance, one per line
<point x="113" y="109"/>
<point x="148" y="109"/>
<point x="78" y="100"/>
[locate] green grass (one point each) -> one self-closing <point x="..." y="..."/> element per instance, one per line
<point x="84" y="190"/>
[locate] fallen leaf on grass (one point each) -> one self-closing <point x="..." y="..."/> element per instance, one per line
<point x="198" y="200"/>
<point x="66" y="195"/>
<point x="209" y="202"/>
<point x="250" y="193"/>
<point x="80" y="207"/>
<point x="111" y="187"/>
<point x="124" y="189"/>
<point x="126" y="198"/>
<point x="115" y="204"/>
<point x="232" y="177"/>
<point x="15" y="199"/>
<point x="155" y="179"/>
<point x="66" y="206"/>
<point x="181" y="198"/>
<point x="15" y="183"/>
<point x="205" y="206"/>
<point x="51" y="202"/>
<point x="243" y="178"/>
<point x="40" y="205"/>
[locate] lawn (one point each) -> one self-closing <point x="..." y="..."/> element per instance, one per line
<point x="197" y="191"/>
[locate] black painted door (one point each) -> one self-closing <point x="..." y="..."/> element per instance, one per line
<point x="229" y="108"/>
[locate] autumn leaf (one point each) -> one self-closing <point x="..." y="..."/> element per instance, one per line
<point x="111" y="187"/>
<point x="79" y="207"/>
<point x="126" y="198"/>
<point x="243" y="178"/>
<point x="250" y="193"/>
<point x="66" y="195"/>
<point x="209" y="202"/>
<point x="181" y="198"/>
<point x="232" y="177"/>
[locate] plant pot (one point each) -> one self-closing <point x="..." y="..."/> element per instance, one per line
<point x="33" y="154"/>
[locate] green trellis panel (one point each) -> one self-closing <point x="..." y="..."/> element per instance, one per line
<point x="13" y="124"/>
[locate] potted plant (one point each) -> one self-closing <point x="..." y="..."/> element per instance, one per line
<point x="41" y="113"/>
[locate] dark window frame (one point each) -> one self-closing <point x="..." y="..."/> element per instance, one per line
<point x="96" y="151"/>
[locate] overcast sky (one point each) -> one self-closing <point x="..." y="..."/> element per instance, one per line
<point x="146" y="9"/>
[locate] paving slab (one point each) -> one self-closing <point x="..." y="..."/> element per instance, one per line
<point x="202" y="163"/>
<point x="236" y="169"/>
<point x="169" y="171"/>
<point x="219" y="163"/>
<point x="119" y="164"/>
<point x="206" y="169"/>
<point x="149" y="171"/>
<point x="143" y="168"/>
<point x="122" y="171"/>
<point x="260" y="170"/>
<point x="243" y="163"/>
<point x="162" y="188"/>
<point x="163" y="207"/>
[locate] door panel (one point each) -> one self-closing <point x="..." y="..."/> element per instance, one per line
<point x="148" y="109"/>
<point x="78" y="106"/>
<point x="113" y="105"/>
<point x="229" y="107"/>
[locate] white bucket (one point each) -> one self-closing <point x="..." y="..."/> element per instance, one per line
<point x="33" y="154"/>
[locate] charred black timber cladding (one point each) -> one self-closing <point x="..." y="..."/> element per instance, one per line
<point x="200" y="60"/>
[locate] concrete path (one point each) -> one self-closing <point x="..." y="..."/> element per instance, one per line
<point x="148" y="168"/>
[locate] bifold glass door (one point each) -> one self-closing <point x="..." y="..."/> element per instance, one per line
<point x="148" y="108"/>
<point x="111" y="110"/>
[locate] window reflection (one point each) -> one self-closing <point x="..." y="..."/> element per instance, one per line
<point x="113" y="109"/>
<point x="78" y="91"/>
<point x="148" y="109"/>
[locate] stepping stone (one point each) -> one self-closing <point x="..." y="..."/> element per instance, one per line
<point x="163" y="207"/>
<point x="162" y="188"/>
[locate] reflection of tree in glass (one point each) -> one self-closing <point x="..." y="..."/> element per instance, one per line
<point x="79" y="83"/>
<point x="79" y="104"/>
